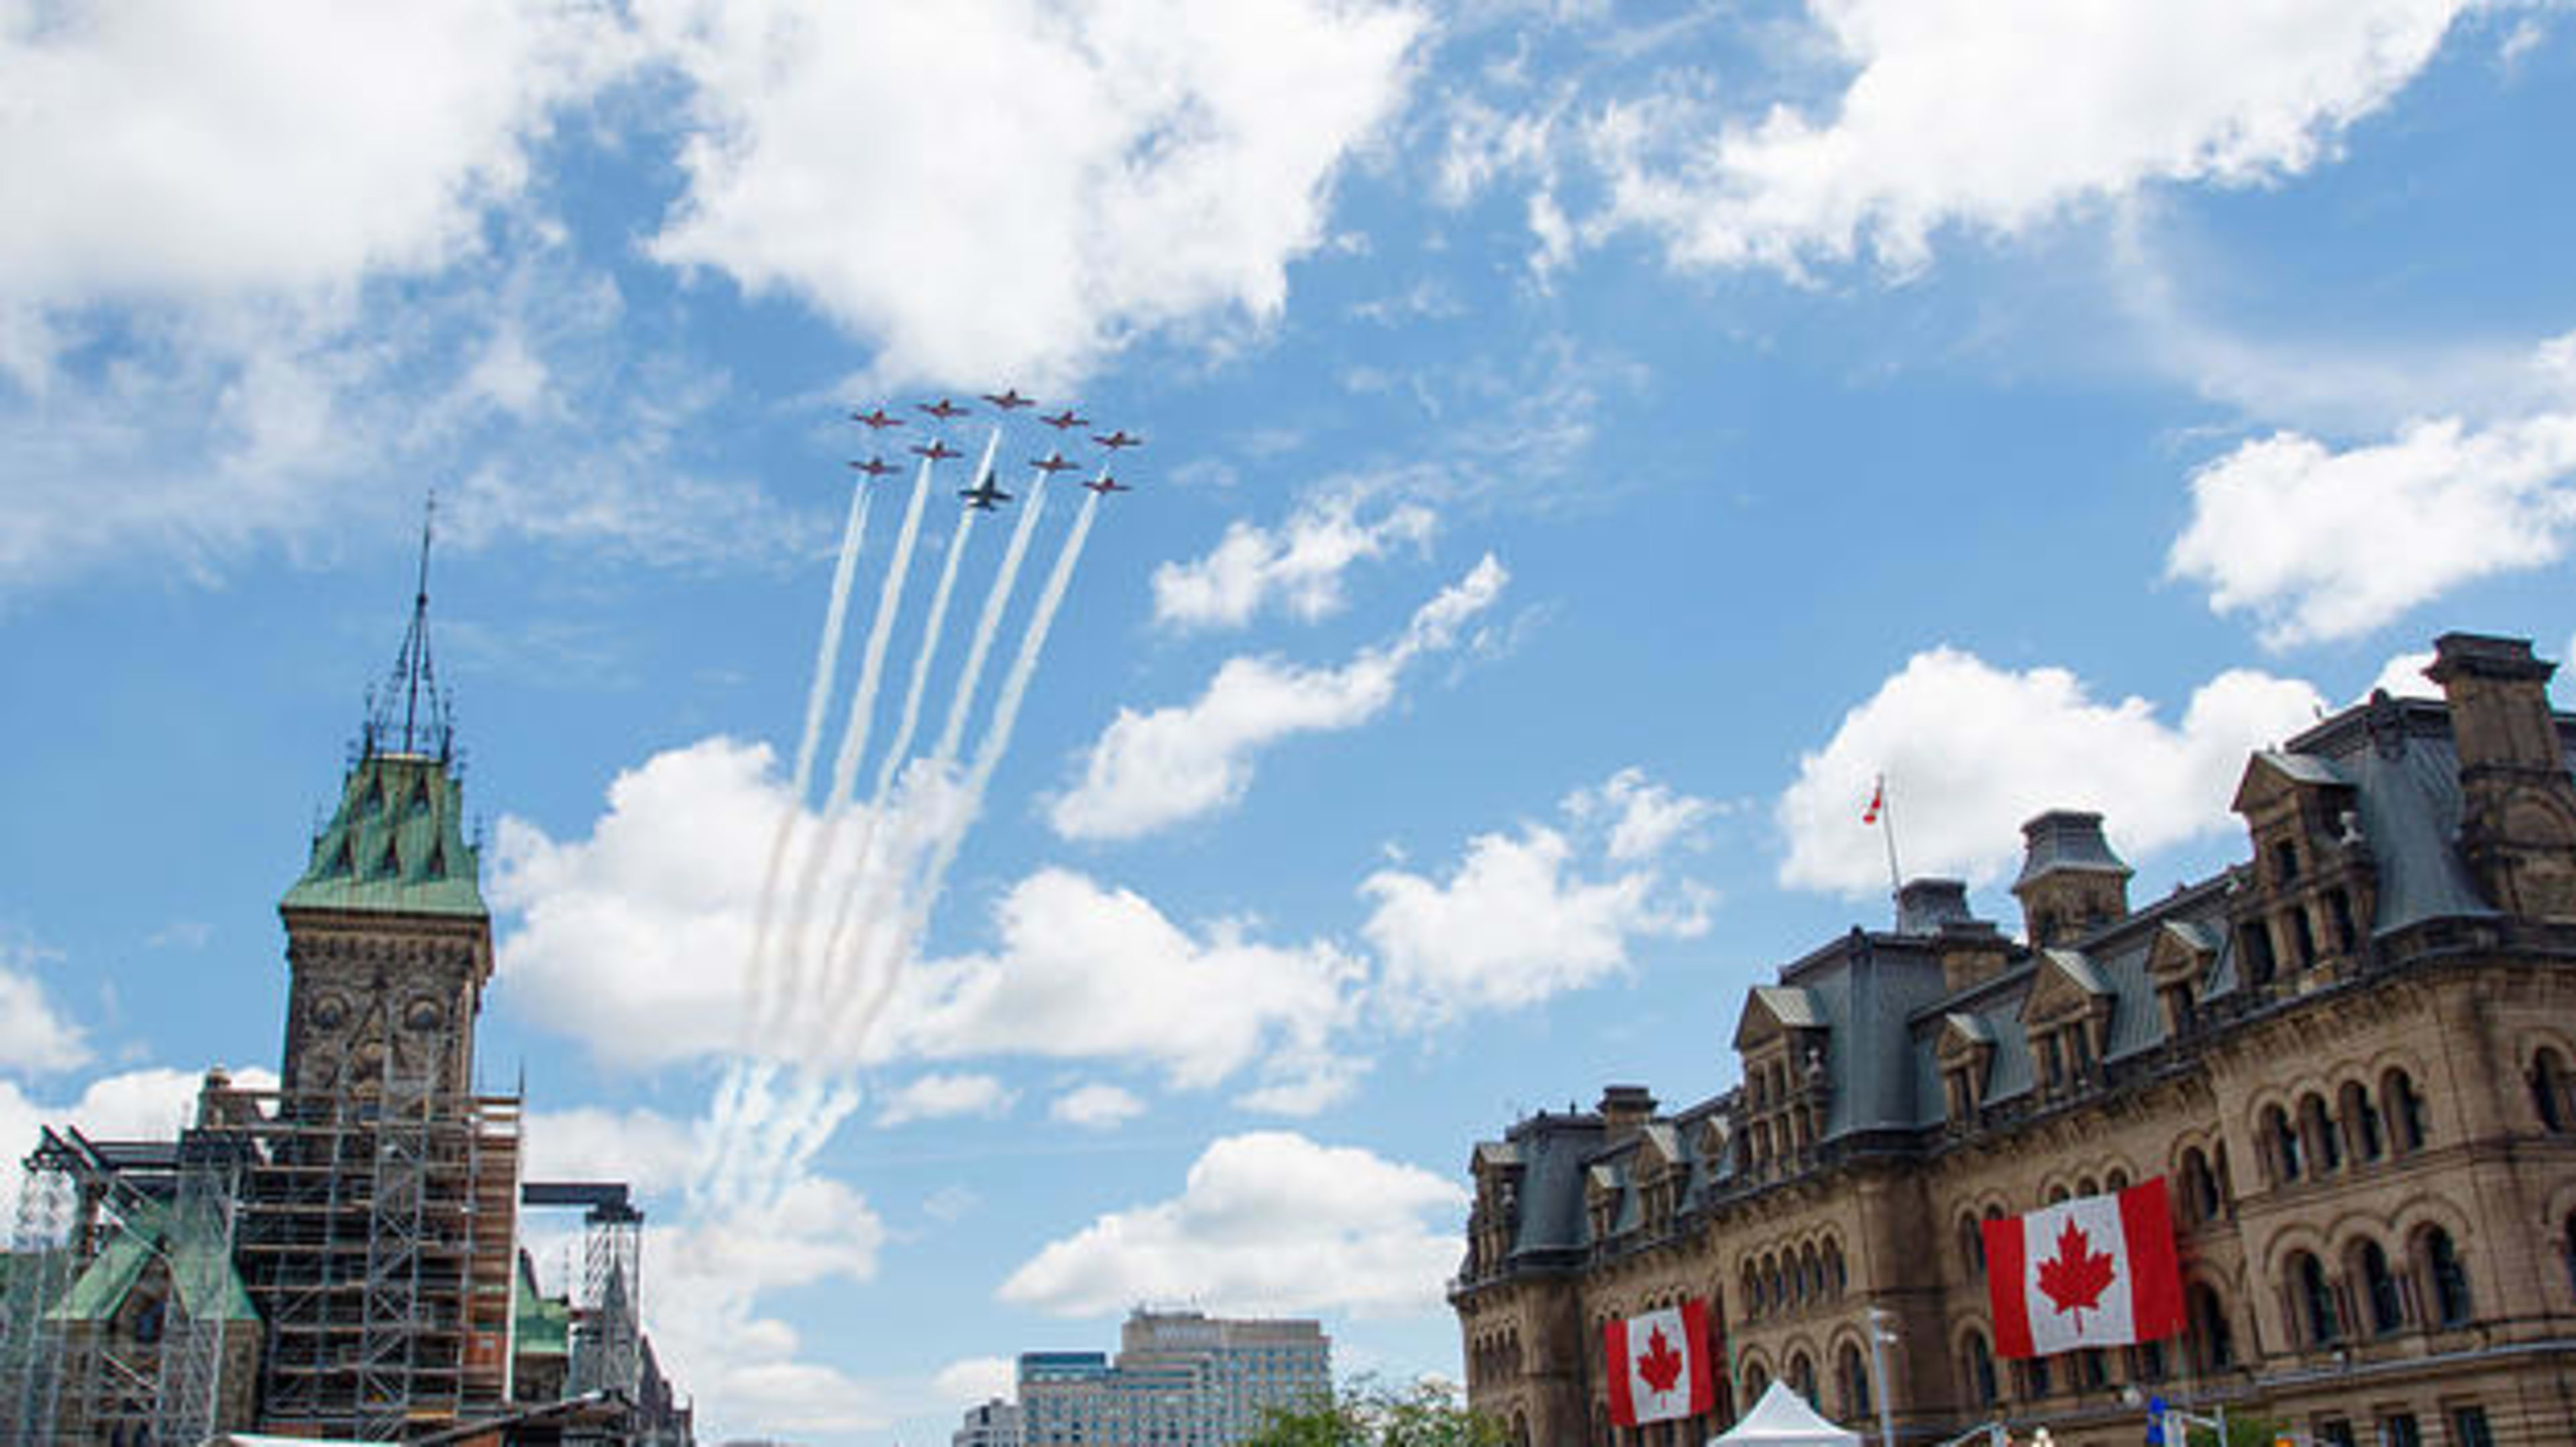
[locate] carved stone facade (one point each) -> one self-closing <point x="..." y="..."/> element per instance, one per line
<point x="2352" y="1059"/>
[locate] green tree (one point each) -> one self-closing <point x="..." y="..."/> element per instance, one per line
<point x="1370" y="1413"/>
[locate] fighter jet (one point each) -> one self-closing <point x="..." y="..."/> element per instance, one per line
<point x="1116" y="440"/>
<point x="1065" y="420"/>
<point x="984" y="494"/>
<point x="1009" y="398"/>
<point x="943" y="409"/>
<point x="937" y="450"/>
<point x="874" y="467"/>
<point x="877" y="419"/>
<point x="1105" y="485"/>
<point x="1052" y="462"/>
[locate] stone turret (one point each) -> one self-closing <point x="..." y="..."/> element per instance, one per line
<point x="2070" y="880"/>
<point x="2518" y="804"/>
<point x="1624" y="1108"/>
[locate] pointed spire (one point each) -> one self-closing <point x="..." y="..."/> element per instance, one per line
<point x="410" y="715"/>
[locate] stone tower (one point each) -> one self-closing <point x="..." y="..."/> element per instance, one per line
<point x="2518" y="806"/>
<point x="2070" y="880"/>
<point x="388" y="942"/>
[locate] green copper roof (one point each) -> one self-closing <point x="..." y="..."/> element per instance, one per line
<point x="203" y="1273"/>
<point x="397" y="844"/>
<point x="544" y="1326"/>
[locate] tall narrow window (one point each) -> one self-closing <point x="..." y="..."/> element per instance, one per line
<point x="2339" y="910"/>
<point x="2449" y="1279"/>
<point x="2552" y="1098"/>
<point x="2315" y="1297"/>
<point x="1981" y="1370"/>
<point x="2379" y="1290"/>
<point x="2323" y="1148"/>
<point x="1855" y="1384"/>
<point x="2405" y="1110"/>
<point x="2255" y="939"/>
<point x="2289" y="1162"/>
<point x="2303" y="936"/>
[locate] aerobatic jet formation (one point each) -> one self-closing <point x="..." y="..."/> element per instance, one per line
<point x="943" y="409"/>
<point x="1065" y="420"/>
<point x="1105" y="485"/>
<point x="1008" y="398"/>
<point x="937" y="450"/>
<point x="877" y="419"/>
<point x="874" y="467"/>
<point x="985" y="494"/>
<point x="1118" y="439"/>
<point x="1052" y="462"/>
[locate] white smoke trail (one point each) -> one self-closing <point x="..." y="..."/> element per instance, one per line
<point x="845" y="761"/>
<point x="990" y="623"/>
<point x="873" y="857"/>
<point x="827" y="654"/>
<point x="885" y="963"/>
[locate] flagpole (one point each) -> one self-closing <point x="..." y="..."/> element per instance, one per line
<point x="1887" y="827"/>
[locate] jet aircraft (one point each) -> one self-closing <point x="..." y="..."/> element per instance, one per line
<point x="1008" y="398"/>
<point x="874" y="467"/>
<point x="1065" y="420"/>
<point x="877" y="419"/>
<point x="943" y="409"/>
<point x="985" y="494"/>
<point x="1116" y="440"/>
<point x="1105" y="485"/>
<point x="1052" y="462"/>
<point x="937" y="450"/>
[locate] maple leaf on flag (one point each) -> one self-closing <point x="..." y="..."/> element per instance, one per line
<point x="1659" y="1364"/>
<point x="2077" y="1275"/>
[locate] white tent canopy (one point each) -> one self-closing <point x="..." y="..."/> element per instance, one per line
<point x="1783" y="1419"/>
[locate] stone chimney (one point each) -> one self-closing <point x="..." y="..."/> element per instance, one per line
<point x="1924" y="905"/>
<point x="2517" y="802"/>
<point x="1624" y="1108"/>
<point x="2071" y="882"/>
<point x="1972" y="952"/>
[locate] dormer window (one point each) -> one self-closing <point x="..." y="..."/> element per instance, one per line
<point x="2285" y="862"/>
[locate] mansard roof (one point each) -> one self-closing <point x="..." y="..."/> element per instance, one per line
<point x="395" y="845"/>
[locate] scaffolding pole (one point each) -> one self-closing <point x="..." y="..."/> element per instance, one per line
<point x="388" y="1338"/>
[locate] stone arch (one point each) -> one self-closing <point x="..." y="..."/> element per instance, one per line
<point x="2548" y="1065"/>
<point x="2438" y="1261"/>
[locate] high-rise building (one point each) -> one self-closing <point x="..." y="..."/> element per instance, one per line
<point x="994" y="1424"/>
<point x="1182" y="1379"/>
<point x="2350" y="1058"/>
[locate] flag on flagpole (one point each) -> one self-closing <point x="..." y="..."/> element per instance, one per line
<point x="1658" y="1365"/>
<point x="2096" y="1271"/>
<point x="1877" y="802"/>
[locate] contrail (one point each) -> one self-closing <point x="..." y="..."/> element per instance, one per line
<point x="888" y="963"/>
<point x="826" y="654"/>
<point x="854" y="743"/>
<point x="871" y="858"/>
<point x="959" y="706"/>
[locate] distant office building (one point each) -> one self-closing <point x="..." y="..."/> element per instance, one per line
<point x="1181" y="1379"/>
<point x="994" y="1424"/>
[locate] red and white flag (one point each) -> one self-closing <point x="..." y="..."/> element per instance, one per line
<point x="1877" y="802"/>
<point x="2097" y="1271"/>
<point x="1658" y="1365"/>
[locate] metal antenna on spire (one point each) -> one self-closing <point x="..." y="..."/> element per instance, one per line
<point x="425" y="724"/>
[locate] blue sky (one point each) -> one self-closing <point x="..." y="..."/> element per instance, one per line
<point x="1586" y="444"/>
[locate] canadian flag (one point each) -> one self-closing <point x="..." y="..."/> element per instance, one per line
<point x="2097" y="1271"/>
<point x="1658" y="1365"/>
<point x="1877" y="802"/>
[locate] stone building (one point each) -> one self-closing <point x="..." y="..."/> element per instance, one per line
<point x="2349" y="1058"/>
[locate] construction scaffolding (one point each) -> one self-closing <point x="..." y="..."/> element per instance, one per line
<point x="607" y="1328"/>
<point x="375" y="1237"/>
<point x="40" y="1269"/>
<point x="199" y="1246"/>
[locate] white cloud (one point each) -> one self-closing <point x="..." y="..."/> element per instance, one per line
<point x="2403" y="677"/>
<point x="1065" y="177"/>
<point x="1268" y="1223"/>
<point x="1097" y="1106"/>
<point x="650" y="1152"/>
<point x="1149" y="771"/>
<point x="636" y="940"/>
<point x="2319" y="544"/>
<point x="704" y="1279"/>
<point x="1084" y="972"/>
<point x="940" y="1097"/>
<point x="2000" y="114"/>
<point x="1297" y="568"/>
<point x="33" y="1035"/>
<point x="1971" y="751"/>
<point x="977" y="1380"/>
<point x="1520" y="919"/>
<point x="175" y="150"/>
